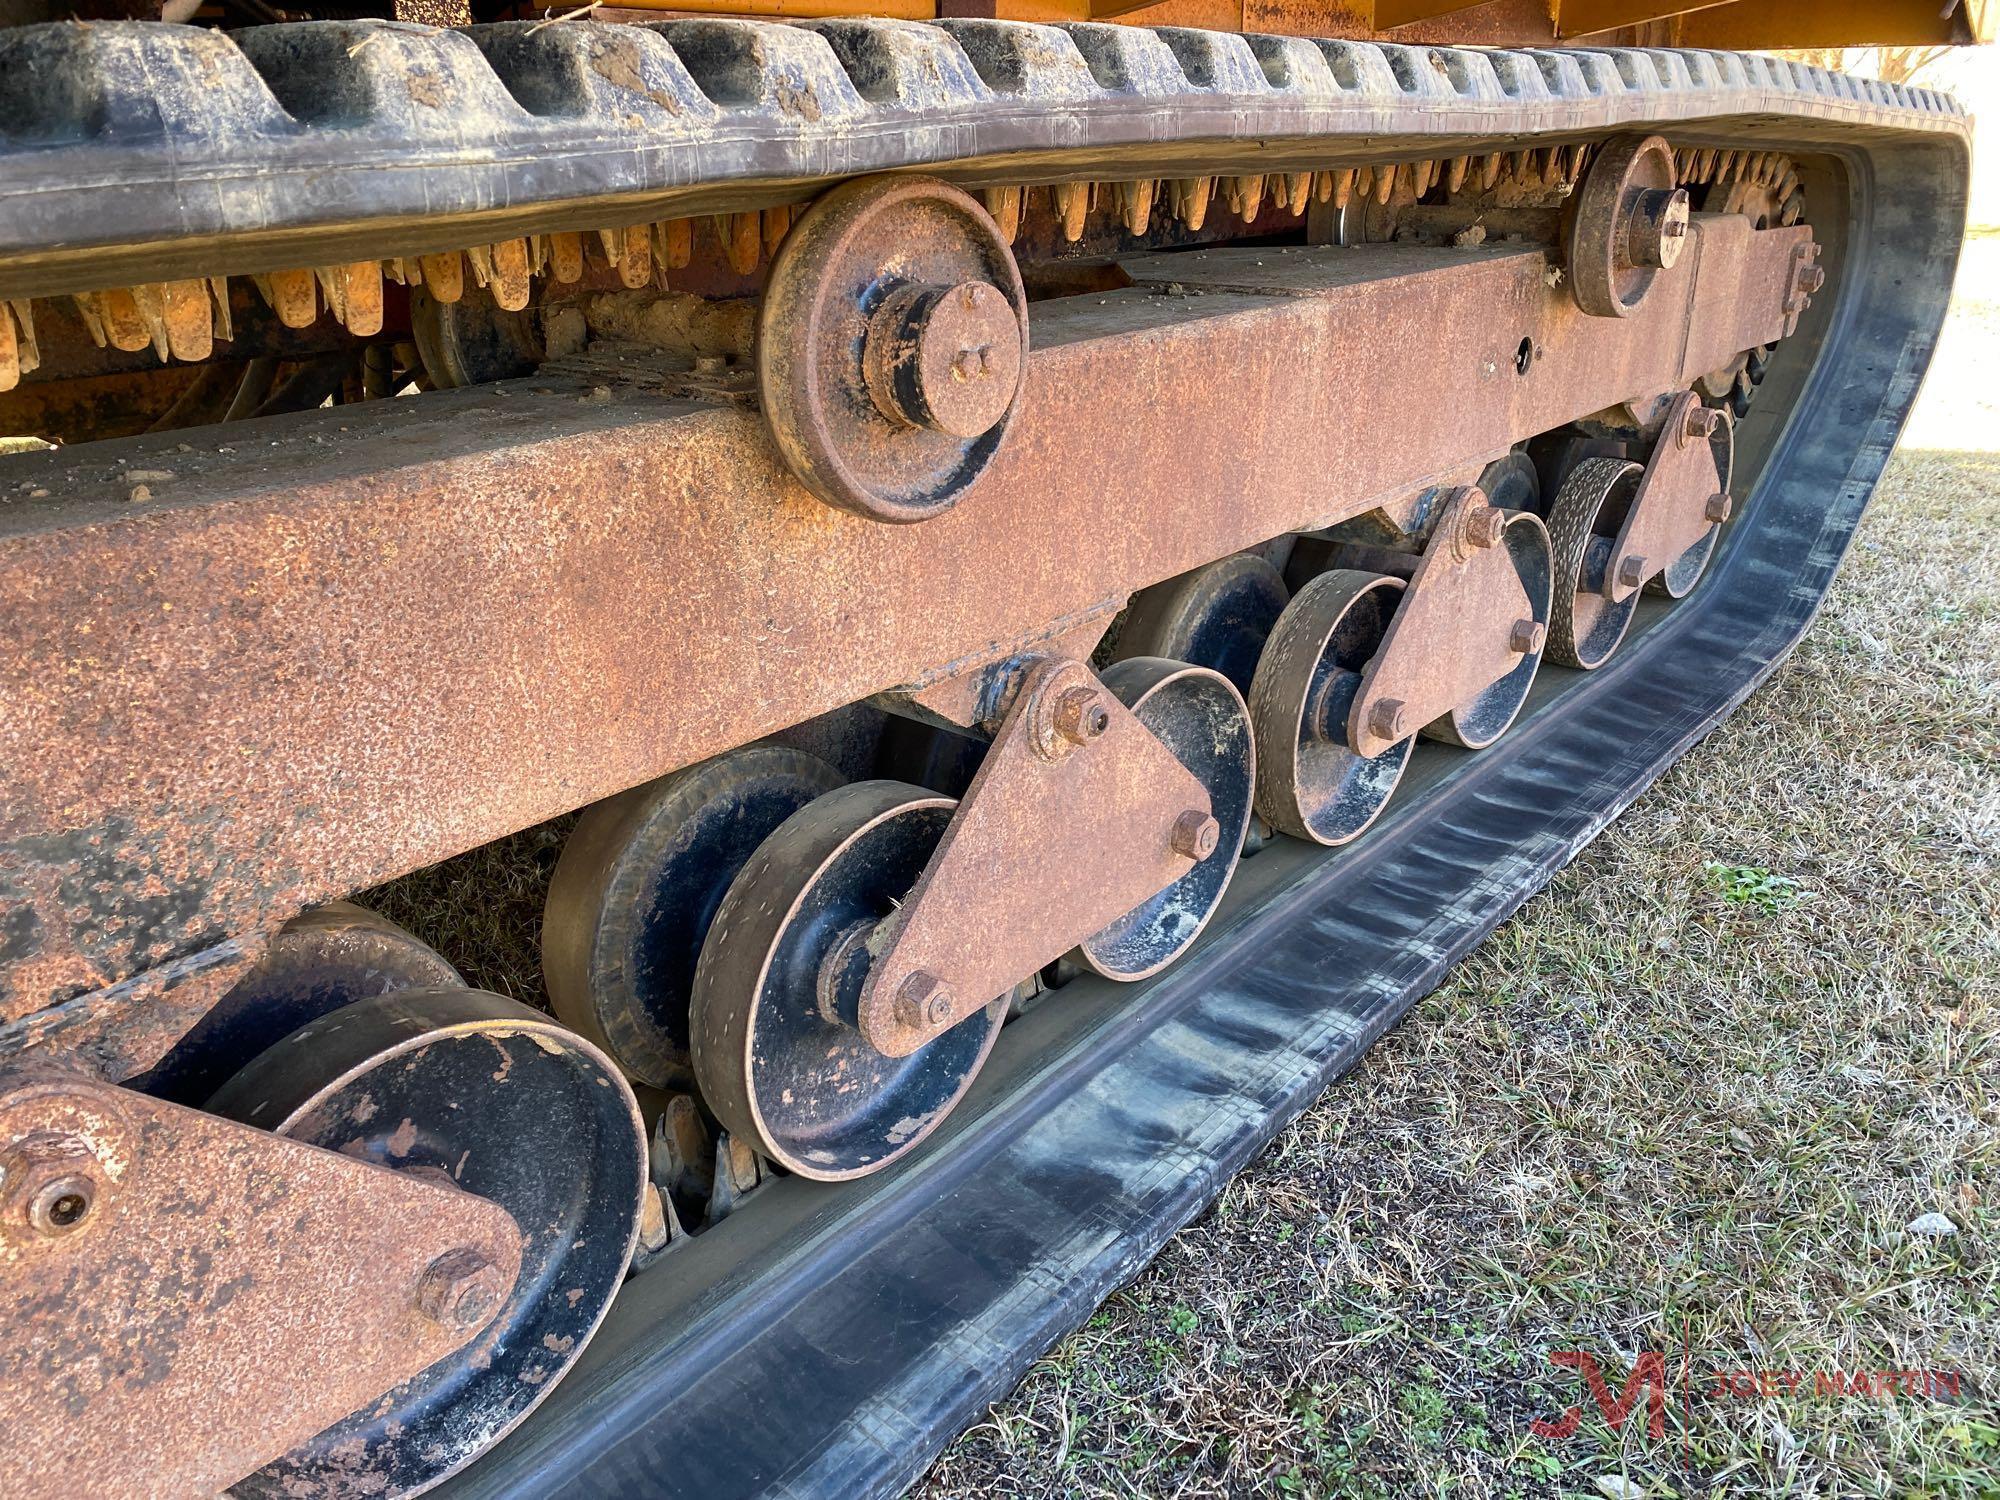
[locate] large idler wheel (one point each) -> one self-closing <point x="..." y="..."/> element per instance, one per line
<point x="1585" y="625"/>
<point x="1310" y="783"/>
<point x="891" y="345"/>
<point x="319" y="961"/>
<point x="1629" y="223"/>
<point x="637" y="886"/>
<point x="1201" y="718"/>
<point x="776" y="1039"/>
<point x="1217" y="616"/>
<point x="489" y="1096"/>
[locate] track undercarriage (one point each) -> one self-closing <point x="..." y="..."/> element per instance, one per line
<point x="983" y="520"/>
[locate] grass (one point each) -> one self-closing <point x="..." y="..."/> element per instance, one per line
<point x="1691" y="1099"/>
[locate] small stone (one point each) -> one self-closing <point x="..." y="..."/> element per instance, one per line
<point x="1474" y="234"/>
<point x="148" y="476"/>
<point x="140" y="492"/>
<point x="1934" y="1224"/>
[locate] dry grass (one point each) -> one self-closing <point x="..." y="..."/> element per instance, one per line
<point x="1691" y="1099"/>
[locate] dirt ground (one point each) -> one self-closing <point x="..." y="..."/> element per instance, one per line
<point x="1728" y="1090"/>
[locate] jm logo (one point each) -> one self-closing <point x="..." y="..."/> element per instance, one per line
<point x="1648" y="1375"/>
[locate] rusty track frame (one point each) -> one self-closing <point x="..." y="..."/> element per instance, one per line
<point x="522" y="565"/>
<point x="1007" y="1235"/>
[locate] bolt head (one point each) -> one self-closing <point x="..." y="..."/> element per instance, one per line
<point x="1702" y="421"/>
<point x="1484" y="526"/>
<point x="1195" y="835"/>
<point x="49" y="1185"/>
<point x="460" y="1290"/>
<point x="1632" y="572"/>
<point x="1386" y="719"/>
<point x="1527" y="637"/>
<point x="924" y="1002"/>
<point x="1719" y="507"/>
<point x="1080" y="715"/>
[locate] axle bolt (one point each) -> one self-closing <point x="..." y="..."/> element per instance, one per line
<point x="1195" y="835"/>
<point x="460" y="1289"/>
<point x="1385" y="719"/>
<point x="1702" y="421"/>
<point x="47" y="1184"/>
<point x="1719" y="507"/>
<point x="1484" y="526"/>
<point x="1632" y="572"/>
<point x="1527" y="636"/>
<point x="1080" y="715"/>
<point x="923" y="1002"/>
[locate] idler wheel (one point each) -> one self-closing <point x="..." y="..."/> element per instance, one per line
<point x="1478" y="723"/>
<point x="1629" y="223"/>
<point x="1201" y="718"/>
<point x="1310" y="783"/>
<point x="776" y="1040"/>
<point x="1217" y="616"/>
<point x="637" y="886"/>
<point x="1585" y="625"/>
<point x="319" y="961"/>
<point x="487" y="1095"/>
<point x="891" y="346"/>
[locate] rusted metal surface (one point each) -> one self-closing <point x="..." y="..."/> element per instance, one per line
<point x="1683" y="497"/>
<point x="577" y="587"/>
<point x="186" y="1298"/>
<point x="891" y="342"/>
<point x="1087" y="812"/>
<point x="1629" y="223"/>
<point x="1469" y="618"/>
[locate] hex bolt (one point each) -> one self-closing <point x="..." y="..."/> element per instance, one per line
<point x="460" y="1290"/>
<point x="45" y="1184"/>
<point x="1718" y="508"/>
<point x="1527" y="636"/>
<point x="923" y="1002"/>
<point x="1385" y="719"/>
<point x="1195" y="835"/>
<point x="1080" y="715"/>
<point x="1702" y="421"/>
<point x="1632" y="572"/>
<point x="1484" y="526"/>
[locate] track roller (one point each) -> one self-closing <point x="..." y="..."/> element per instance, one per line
<point x="1218" y="616"/>
<point x="1512" y="482"/>
<point x="1586" y="626"/>
<point x="776" y="1039"/>
<point x="489" y="1096"/>
<point x="637" y="885"/>
<point x="891" y="345"/>
<point x="1310" y="782"/>
<point x="1198" y="715"/>
<point x="319" y="961"/>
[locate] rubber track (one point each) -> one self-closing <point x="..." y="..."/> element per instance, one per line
<point x="133" y="134"/>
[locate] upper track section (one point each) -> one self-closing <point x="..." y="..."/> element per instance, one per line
<point x="139" y="152"/>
